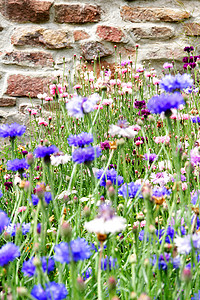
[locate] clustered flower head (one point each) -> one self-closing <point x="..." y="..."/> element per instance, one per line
<point x="122" y="129"/>
<point x="76" y="250"/>
<point x="80" y="140"/>
<point x="164" y="103"/>
<point x="79" y="106"/>
<point x="29" y="268"/>
<point x="4" y="221"/>
<point x="83" y="154"/>
<point x="106" y="221"/>
<point x="8" y="253"/>
<point x="52" y="291"/>
<point x="45" y="152"/>
<point x="178" y="82"/>
<point x="47" y="196"/>
<point x="59" y="159"/>
<point x="12" y="130"/>
<point x="185" y="244"/>
<point x="109" y="175"/>
<point x="17" y="165"/>
<point x="130" y="190"/>
<point x="11" y="229"/>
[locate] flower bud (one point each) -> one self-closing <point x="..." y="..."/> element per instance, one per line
<point x="186" y="275"/>
<point x="22" y="291"/>
<point x="37" y="262"/>
<point x="111" y="192"/>
<point x="66" y="230"/>
<point x="112" y="283"/>
<point x="144" y="296"/>
<point x="152" y="229"/>
<point x="140" y="216"/>
<point x="81" y="284"/>
<point x="86" y="212"/>
<point x="133" y="259"/>
<point x="30" y="158"/>
<point x="133" y="296"/>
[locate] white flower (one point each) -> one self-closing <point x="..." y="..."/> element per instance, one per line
<point x="184" y="244"/>
<point x="102" y="226"/>
<point x="57" y="160"/>
<point x="128" y="132"/>
<point x="42" y="96"/>
<point x="160" y="178"/>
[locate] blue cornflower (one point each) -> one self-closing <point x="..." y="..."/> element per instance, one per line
<point x="196" y="296"/>
<point x="85" y="155"/>
<point x="45" y="151"/>
<point x="130" y="190"/>
<point x="165" y="259"/>
<point x="4" y="220"/>
<point x="109" y="175"/>
<point x="178" y="82"/>
<point x="12" y="130"/>
<point x="165" y="102"/>
<point x="79" y="106"/>
<point x="195" y="119"/>
<point x="80" y="250"/>
<point x="80" y="140"/>
<point x="34" y="199"/>
<point x="150" y="157"/>
<point x="52" y="291"/>
<point x="195" y="197"/>
<point x="12" y="228"/>
<point x="8" y="253"/>
<point x="85" y="275"/>
<point x="47" y="197"/>
<point x="108" y="263"/>
<point x="29" y="269"/>
<point x="17" y="165"/>
<point x="1" y="194"/>
<point x="160" y="192"/>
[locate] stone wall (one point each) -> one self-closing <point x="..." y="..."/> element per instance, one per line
<point x="37" y="34"/>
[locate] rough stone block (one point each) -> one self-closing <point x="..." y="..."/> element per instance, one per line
<point x="25" y="86"/>
<point x="37" y="36"/>
<point x="152" y="14"/>
<point x="7" y="102"/>
<point x="91" y="49"/>
<point x="25" y="10"/>
<point x="155" y="32"/>
<point x="192" y="29"/>
<point x="76" y="13"/>
<point x="80" y="35"/>
<point x="111" y="34"/>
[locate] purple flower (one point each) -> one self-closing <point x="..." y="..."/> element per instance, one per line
<point x="12" y="130"/>
<point x="12" y="228"/>
<point x="4" y="220"/>
<point x="165" y="102"/>
<point x="34" y="199"/>
<point x="105" y="145"/>
<point x="160" y="192"/>
<point x="52" y="291"/>
<point x="164" y="260"/>
<point x="79" y="106"/>
<point x="108" y="263"/>
<point x="17" y="165"/>
<point x="196" y="296"/>
<point x="85" y="155"/>
<point x="176" y="83"/>
<point x="85" y="275"/>
<point x="80" y="140"/>
<point x="195" y="197"/>
<point x="45" y="151"/>
<point x="140" y="104"/>
<point x="195" y="119"/>
<point x="8" y="253"/>
<point x="186" y="243"/>
<point x="79" y="250"/>
<point x="47" y="197"/>
<point x="109" y="175"/>
<point x="188" y="49"/>
<point x="150" y="157"/>
<point x="29" y="269"/>
<point x="130" y="190"/>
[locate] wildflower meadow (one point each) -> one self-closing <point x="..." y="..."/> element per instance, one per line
<point x="100" y="191"/>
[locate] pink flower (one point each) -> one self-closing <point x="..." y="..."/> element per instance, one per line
<point x="107" y="102"/>
<point x="167" y="65"/>
<point x="48" y="98"/>
<point x="21" y="208"/>
<point x="162" y="139"/>
<point x="98" y="107"/>
<point x="138" y="143"/>
<point x="42" y="122"/>
<point x="142" y="224"/>
<point x="7" y="176"/>
<point x="33" y="112"/>
<point x="113" y="82"/>
<point x="77" y="86"/>
<point x="184" y="186"/>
